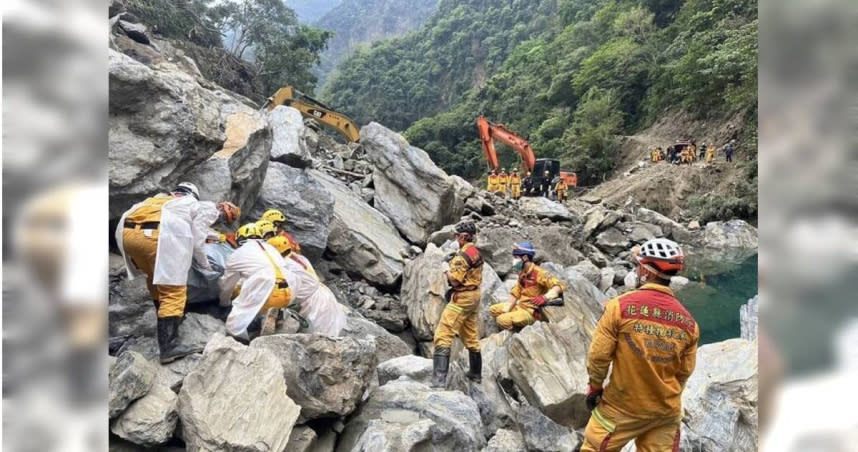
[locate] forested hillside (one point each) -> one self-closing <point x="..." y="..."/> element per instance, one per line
<point x="362" y="22"/>
<point x="426" y="72"/>
<point x="571" y="75"/>
<point x="309" y="11"/>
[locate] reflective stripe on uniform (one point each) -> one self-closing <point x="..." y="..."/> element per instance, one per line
<point x="454" y="308"/>
<point x="609" y="426"/>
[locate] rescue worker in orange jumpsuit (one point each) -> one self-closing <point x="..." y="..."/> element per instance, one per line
<point x="461" y="314"/>
<point x="535" y="287"/>
<point x="560" y="189"/>
<point x="515" y="184"/>
<point x="503" y="181"/>
<point x="651" y="341"/>
<point x="275" y="216"/>
<point x="493" y="182"/>
<point x="161" y="237"/>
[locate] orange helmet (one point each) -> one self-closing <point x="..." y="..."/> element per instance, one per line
<point x="230" y="211"/>
<point x="662" y="254"/>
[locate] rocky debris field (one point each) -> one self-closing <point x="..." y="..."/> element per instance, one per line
<point x="375" y="219"/>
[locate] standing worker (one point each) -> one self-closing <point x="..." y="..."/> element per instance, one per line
<point x="515" y="184"/>
<point x="493" y="181"/>
<point x="535" y="287"/>
<point x="702" y="151"/>
<point x="545" y="185"/>
<point x="710" y="154"/>
<point x="160" y="237"/>
<point x="503" y="181"/>
<point x="561" y="188"/>
<point x="462" y="311"/>
<point x="650" y="341"/>
<point x="728" y="150"/>
<point x="527" y="184"/>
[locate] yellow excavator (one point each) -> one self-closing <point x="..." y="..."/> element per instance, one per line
<point x="311" y="108"/>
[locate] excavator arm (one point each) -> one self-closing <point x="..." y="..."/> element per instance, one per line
<point x="490" y="132"/>
<point x="311" y="108"/>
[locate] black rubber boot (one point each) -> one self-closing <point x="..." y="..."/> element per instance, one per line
<point x="168" y="337"/>
<point x="440" y="364"/>
<point x="475" y="360"/>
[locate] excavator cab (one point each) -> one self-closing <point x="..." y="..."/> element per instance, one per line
<point x="543" y="165"/>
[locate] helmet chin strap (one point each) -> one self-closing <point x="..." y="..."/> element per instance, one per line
<point x="653" y="270"/>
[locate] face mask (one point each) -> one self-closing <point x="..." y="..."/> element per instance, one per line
<point x="517" y="264"/>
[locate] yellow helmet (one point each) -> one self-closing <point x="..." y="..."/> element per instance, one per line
<point x="248" y="231"/>
<point x="282" y="244"/>
<point x="266" y="227"/>
<point x="273" y="215"/>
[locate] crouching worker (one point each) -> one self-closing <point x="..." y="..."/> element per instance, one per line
<point x="265" y="281"/>
<point x="535" y="287"/>
<point x="160" y="237"/>
<point x="277" y="218"/>
<point x="462" y="311"/>
<point x="649" y="340"/>
<point x="312" y="300"/>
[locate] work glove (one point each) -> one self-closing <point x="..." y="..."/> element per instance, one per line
<point x="538" y="301"/>
<point x="594" y="396"/>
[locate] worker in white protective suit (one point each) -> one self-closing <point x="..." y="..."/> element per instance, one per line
<point x="160" y="238"/>
<point x="265" y="281"/>
<point x="315" y="302"/>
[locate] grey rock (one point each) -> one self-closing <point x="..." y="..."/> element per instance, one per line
<point x="235" y="400"/>
<point x="749" y="318"/>
<point x="307" y="205"/>
<point x="544" y="208"/>
<point x="325" y="375"/>
<point x="672" y="229"/>
<point x="150" y="420"/>
<point x="607" y="278"/>
<point x="630" y="281"/>
<point x="412" y="367"/>
<point x="553" y="244"/>
<point x="505" y="440"/>
<point x="547" y="361"/>
<point x="136" y="31"/>
<point x="640" y="234"/>
<point x="612" y="241"/>
<point x="172" y="374"/>
<point x="289" y="145"/>
<point x="677" y="283"/>
<point x="423" y="288"/>
<point x="197" y="330"/>
<point x="542" y="434"/>
<point x="408" y="416"/>
<point x="720" y="398"/>
<point x="731" y="234"/>
<point x="130" y="310"/>
<point x="130" y="378"/>
<point x="416" y="195"/>
<point x="361" y="238"/>
<point x="387" y="346"/>
<point x="441" y="236"/>
<point x="302" y="439"/>
<point x="583" y="300"/>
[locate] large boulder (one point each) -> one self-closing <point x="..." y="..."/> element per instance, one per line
<point x="613" y="241"/>
<point x="325" y="375"/>
<point x="416" y="195"/>
<point x="387" y="346"/>
<point x="423" y="288"/>
<point x="547" y="361"/>
<point x="408" y="416"/>
<point x="720" y="398"/>
<point x="235" y="172"/>
<point x="505" y="440"/>
<point x="289" y="146"/>
<point x="163" y="124"/>
<point x="235" y="400"/>
<point x="151" y="420"/>
<point x="542" y="207"/>
<point x="553" y="244"/>
<point x="542" y="434"/>
<point x="130" y="378"/>
<point x="730" y="234"/>
<point x="583" y="301"/>
<point x="413" y="367"/>
<point x="307" y="205"/>
<point x="197" y="329"/>
<point x="361" y="239"/>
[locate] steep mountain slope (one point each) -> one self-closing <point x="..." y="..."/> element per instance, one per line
<point x="309" y="11"/>
<point x="426" y="72"/>
<point x="362" y="22"/>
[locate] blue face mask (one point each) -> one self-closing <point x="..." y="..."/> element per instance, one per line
<point x="517" y="264"/>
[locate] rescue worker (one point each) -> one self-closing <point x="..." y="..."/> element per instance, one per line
<point x="535" y="287"/>
<point x="503" y="181"/>
<point x="728" y="150"/>
<point x="710" y="154"/>
<point x="654" y="155"/>
<point x="493" y="182"/>
<point x="266" y="228"/>
<point x="515" y="184"/>
<point x="160" y="237"/>
<point x="461" y="314"/>
<point x="264" y="281"/>
<point x="649" y="340"/>
<point x="545" y="186"/>
<point x="560" y="189"/>
<point x="661" y="155"/>
<point x="527" y="184"/>
<point x="692" y="152"/>
<point x="275" y="216"/>
<point x="229" y="214"/>
<point x="311" y="299"/>
<point x="702" y="151"/>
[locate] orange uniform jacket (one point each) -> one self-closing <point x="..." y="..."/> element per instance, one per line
<point x="537" y="281"/>
<point x="652" y="341"/>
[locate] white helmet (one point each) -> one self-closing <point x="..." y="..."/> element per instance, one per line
<point x="187" y="188"/>
<point x="665" y="255"/>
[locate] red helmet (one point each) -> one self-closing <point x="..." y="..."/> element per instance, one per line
<point x="663" y="254"/>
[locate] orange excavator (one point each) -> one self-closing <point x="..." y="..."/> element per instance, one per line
<point x="489" y="132"/>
